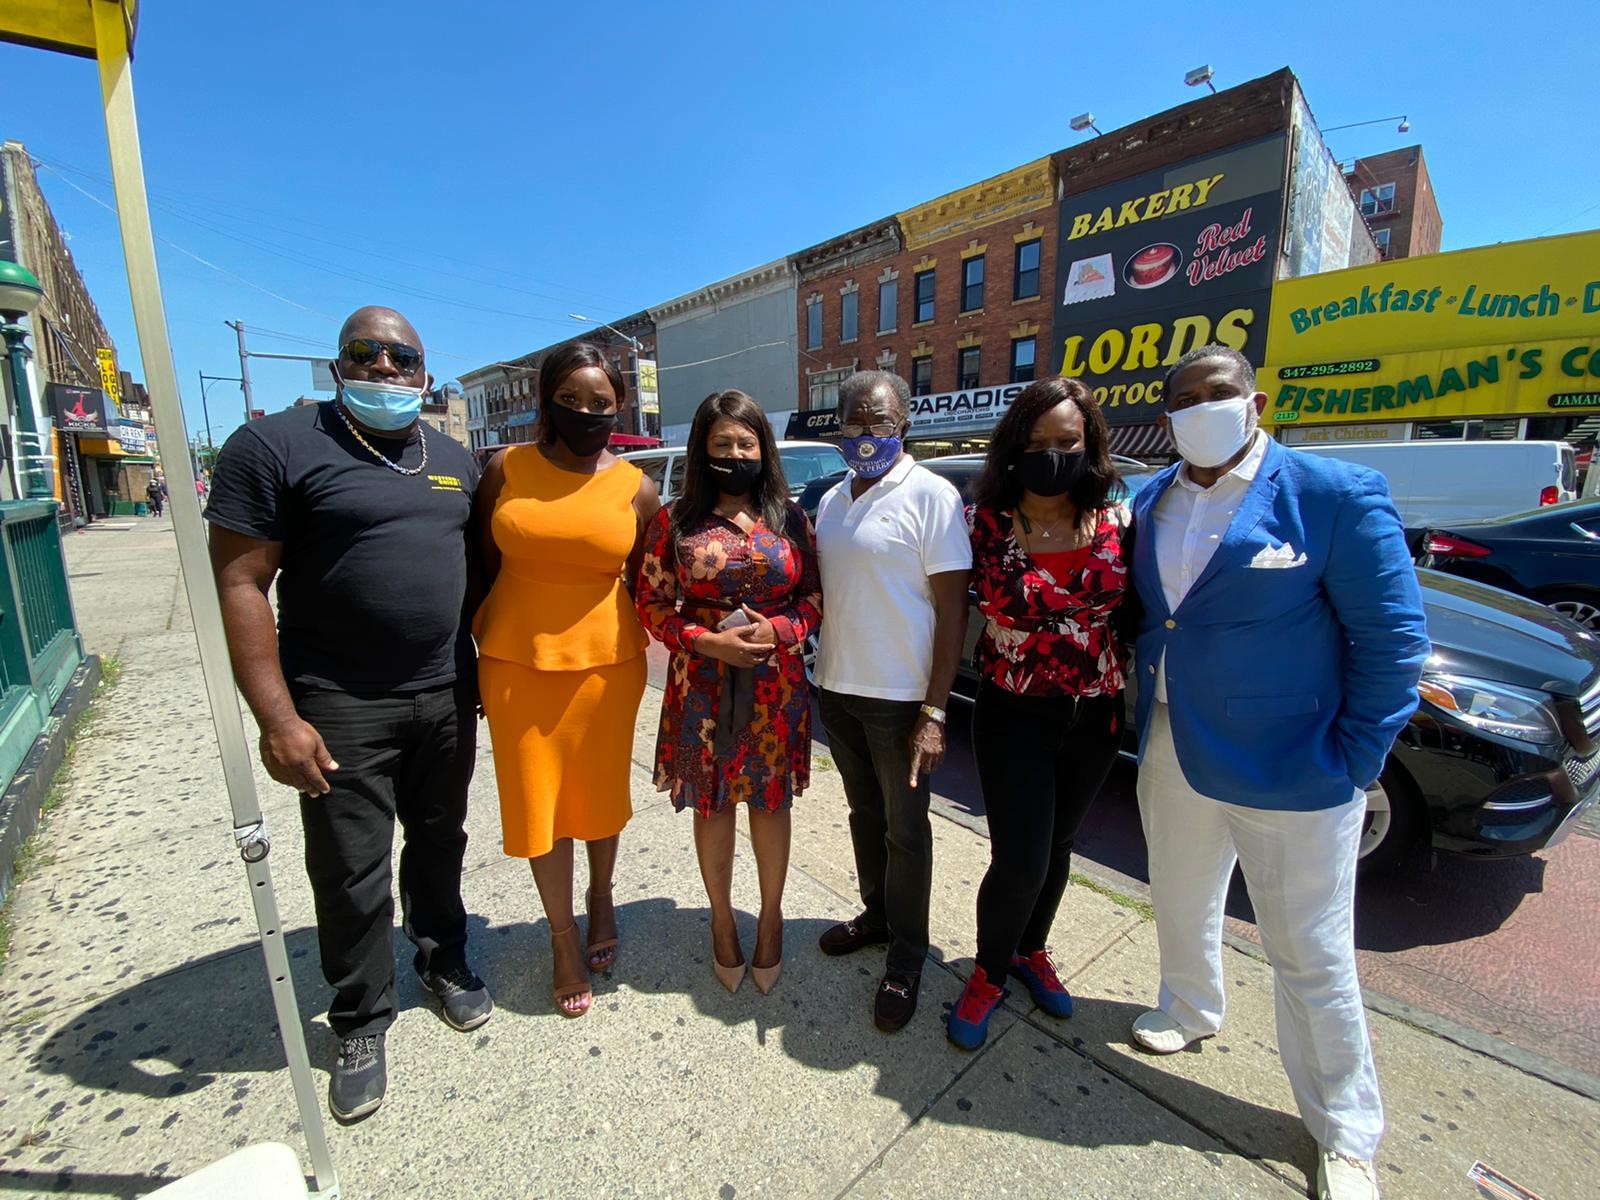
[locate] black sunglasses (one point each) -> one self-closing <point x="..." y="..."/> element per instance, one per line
<point x="366" y="351"/>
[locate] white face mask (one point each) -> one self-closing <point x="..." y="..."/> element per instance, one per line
<point x="1208" y="435"/>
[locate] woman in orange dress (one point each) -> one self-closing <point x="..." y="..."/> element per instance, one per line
<point x="561" y="651"/>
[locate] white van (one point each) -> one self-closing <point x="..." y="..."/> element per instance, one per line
<point x="1457" y="483"/>
<point x="802" y="462"/>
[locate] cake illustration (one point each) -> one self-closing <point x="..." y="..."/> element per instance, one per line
<point x="1152" y="266"/>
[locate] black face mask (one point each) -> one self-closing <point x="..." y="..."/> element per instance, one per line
<point x="585" y="433"/>
<point x="734" y="476"/>
<point x="1050" y="472"/>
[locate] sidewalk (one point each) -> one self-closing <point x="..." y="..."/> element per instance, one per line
<point x="137" y="1043"/>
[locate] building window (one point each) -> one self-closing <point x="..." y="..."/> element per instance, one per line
<point x="848" y="312"/>
<point x="967" y="368"/>
<point x="1027" y="274"/>
<point x="1376" y="201"/>
<point x="922" y="376"/>
<point x="813" y="324"/>
<point x="1022" y="354"/>
<point x="972" y="283"/>
<point x="1381" y="236"/>
<point x="924" y="296"/>
<point x="824" y="387"/>
<point x="888" y="304"/>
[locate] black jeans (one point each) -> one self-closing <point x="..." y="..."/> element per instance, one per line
<point x="1041" y="761"/>
<point x="400" y="756"/>
<point x="870" y="741"/>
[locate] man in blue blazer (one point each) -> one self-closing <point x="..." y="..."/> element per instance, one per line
<point x="1280" y="640"/>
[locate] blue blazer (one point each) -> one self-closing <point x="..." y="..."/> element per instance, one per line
<point x="1286" y="685"/>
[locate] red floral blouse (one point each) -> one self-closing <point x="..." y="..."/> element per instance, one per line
<point x="1043" y="635"/>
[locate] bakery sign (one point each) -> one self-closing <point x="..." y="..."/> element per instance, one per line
<point x="1156" y="265"/>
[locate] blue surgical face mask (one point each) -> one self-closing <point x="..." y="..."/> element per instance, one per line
<point x="386" y="406"/>
<point x="870" y="457"/>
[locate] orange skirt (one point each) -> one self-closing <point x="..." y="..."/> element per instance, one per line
<point x="563" y="748"/>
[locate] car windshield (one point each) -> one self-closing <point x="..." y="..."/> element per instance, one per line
<point x="802" y="464"/>
<point x="1569" y="509"/>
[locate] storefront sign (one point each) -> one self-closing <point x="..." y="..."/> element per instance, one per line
<point x="132" y="436"/>
<point x="77" y="409"/>
<point x="1338" y="435"/>
<point x="978" y="408"/>
<point x="108" y="375"/>
<point x="813" y="423"/>
<point x="1156" y="265"/>
<point x="1501" y="330"/>
<point x="1475" y="381"/>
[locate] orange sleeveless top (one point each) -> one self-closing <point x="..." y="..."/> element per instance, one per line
<point x="559" y="603"/>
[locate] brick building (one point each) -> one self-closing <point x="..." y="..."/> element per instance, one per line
<point x="1396" y="197"/>
<point x="953" y="295"/>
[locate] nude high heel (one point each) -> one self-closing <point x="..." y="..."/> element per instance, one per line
<point x="729" y="977"/>
<point x="766" y="978"/>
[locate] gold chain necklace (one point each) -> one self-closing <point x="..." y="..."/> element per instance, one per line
<point x="379" y="454"/>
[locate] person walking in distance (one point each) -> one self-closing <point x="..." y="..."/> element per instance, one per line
<point x="893" y="547"/>
<point x="365" y="688"/>
<point x="1280" y="640"/>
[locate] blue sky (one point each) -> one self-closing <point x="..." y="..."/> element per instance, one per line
<point x="489" y="174"/>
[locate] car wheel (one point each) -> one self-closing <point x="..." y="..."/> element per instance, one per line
<point x="1393" y="821"/>
<point x="1582" y="607"/>
<point x="809" y="655"/>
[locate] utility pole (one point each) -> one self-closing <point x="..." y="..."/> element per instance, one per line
<point x="244" y="370"/>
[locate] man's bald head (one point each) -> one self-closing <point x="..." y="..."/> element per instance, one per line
<point x="375" y="321"/>
<point x="385" y="328"/>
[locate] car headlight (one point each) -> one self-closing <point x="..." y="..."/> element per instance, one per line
<point x="1496" y="708"/>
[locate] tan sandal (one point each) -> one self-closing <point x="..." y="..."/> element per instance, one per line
<point x="572" y="988"/>
<point x="605" y="950"/>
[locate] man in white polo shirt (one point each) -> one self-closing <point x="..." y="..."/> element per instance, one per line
<point x="894" y="551"/>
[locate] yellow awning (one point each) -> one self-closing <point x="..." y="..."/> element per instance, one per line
<point x="63" y="25"/>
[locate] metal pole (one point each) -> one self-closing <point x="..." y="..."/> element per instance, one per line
<point x="138" y="245"/>
<point x="244" y="370"/>
<point x="204" y="411"/>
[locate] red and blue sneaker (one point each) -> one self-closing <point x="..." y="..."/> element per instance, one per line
<point x="968" y="1025"/>
<point x="1039" y="973"/>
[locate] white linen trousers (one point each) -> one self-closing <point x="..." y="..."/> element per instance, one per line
<point x="1300" y="868"/>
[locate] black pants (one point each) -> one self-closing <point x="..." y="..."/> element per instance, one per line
<point x="1041" y="761"/>
<point x="401" y="756"/>
<point x="870" y="741"/>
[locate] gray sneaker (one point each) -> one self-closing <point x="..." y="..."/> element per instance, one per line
<point x="360" y="1077"/>
<point x="463" y="997"/>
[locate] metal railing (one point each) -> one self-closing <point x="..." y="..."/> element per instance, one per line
<point x="39" y="642"/>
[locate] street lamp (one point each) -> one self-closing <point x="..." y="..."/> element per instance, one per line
<point x="20" y="296"/>
<point x="1199" y="75"/>
<point x="638" y="353"/>
<point x="1084" y="121"/>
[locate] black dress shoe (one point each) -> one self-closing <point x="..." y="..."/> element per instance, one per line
<point x="850" y="936"/>
<point x="896" y="1001"/>
<point x="360" y="1077"/>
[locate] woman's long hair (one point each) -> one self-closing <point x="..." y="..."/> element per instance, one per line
<point x="771" y="491"/>
<point x="998" y="487"/>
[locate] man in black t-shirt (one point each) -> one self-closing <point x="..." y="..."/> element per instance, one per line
<point x="365" y="689"/>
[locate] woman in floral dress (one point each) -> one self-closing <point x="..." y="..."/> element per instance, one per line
<point x="1050" y="570"/>
<point x="729" y="584"/>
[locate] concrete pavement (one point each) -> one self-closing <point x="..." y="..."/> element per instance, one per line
<point x="137" y="1041"/>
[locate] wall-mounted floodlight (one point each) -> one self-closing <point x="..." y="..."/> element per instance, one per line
<point x="1084" y="121"/>
<point x="1201" y="75"/>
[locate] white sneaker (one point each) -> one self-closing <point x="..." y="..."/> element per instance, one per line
<point x="1160" y="1034"/>
<point x="1340" y="1177"/>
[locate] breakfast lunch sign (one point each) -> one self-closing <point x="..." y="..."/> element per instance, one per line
<point x="1155" y="265"/>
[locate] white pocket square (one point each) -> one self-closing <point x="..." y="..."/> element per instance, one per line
<point x="1277" y="558"/>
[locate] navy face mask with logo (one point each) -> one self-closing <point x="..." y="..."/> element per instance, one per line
<point x="870" y="457"/>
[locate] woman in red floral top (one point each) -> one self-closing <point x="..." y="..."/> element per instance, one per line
<point x="1050" y="571"/>
<point x="729" y="583"/>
